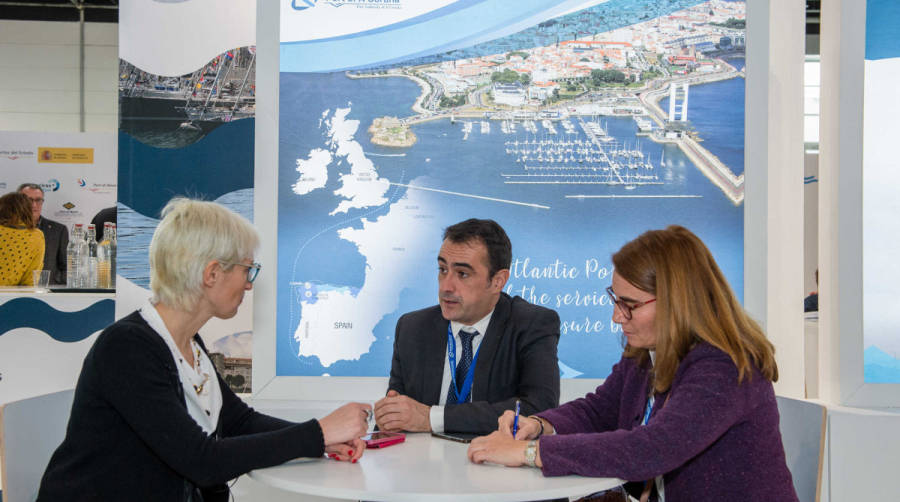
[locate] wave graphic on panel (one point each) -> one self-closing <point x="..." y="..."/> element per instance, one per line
<point x="173" y="112"/>
<point x="220" y="163"/>
<point x="583" y="24"/>
<point x="478" y="29"/>
<point x="174" y="38"/>
<point x="60" y="325"/>
<point x="880" y="367"/>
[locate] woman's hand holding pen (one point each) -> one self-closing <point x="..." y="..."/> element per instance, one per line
<point x="500" y="447"/>
<point x="529" y="427"/>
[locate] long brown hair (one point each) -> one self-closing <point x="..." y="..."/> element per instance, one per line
<point x="15" y="210"/>
<point x="693" y="303"/>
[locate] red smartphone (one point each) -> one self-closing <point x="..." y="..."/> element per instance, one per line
<point x="382" y="439"/>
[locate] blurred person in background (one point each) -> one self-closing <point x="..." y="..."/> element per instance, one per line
<point x="56" y="235"/>
<point x="21" y="244"/>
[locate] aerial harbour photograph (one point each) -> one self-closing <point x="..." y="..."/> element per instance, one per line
<point x="553" y="103"/>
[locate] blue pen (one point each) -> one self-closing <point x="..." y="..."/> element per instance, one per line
<point x="516" y="420"/>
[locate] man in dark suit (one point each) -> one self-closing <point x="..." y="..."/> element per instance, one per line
<point x="501" y="349"/>
<point x="104" y="216"/>
<point x="56" y="235"/>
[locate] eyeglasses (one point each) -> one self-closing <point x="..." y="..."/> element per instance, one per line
<point x="624" y="307"/>
<point x="252" y="269"/>
<point x="36" y="200"/>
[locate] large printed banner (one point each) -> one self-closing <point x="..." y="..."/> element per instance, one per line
<point x="881" y="226"/>
<point x="76" y="170"/>
<point x="576" y="125"/>
<point x="187" y="99"/>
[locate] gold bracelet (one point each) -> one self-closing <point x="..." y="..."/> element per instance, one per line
<point x="541" y="423"/>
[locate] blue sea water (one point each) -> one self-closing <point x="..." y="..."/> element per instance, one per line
<point x="574" y="231"/>
<point x="716" y="110"/>
<point x="135" y="232"/>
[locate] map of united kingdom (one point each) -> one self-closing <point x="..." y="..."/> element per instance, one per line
<point x="337" y="321"/>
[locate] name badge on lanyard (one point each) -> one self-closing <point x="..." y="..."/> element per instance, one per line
<point x="462" y="394"/>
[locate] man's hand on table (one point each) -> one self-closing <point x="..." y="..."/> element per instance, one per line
<point x="396" y="412"/>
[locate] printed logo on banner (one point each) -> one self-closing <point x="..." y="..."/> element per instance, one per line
<point x="17" y="154"/>
<point x="51" y="185"/>
<point x="97" y="187"/>
<point x="65" y="155"/>
<point x="68" y="213"/>
<point x="360" y="4"/>
<point x="2" y="185"/>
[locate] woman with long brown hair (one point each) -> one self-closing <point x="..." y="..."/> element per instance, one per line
<point x="689" y="412"/>
<point x="21" y="244"/>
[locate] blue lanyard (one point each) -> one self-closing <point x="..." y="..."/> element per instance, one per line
<point x="462" y="395"/>
<point x="647" y="411"/>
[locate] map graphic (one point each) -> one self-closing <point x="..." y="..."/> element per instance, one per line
<point x="375" y="162"/>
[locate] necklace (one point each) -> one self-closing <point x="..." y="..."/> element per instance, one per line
<point x="197" y="369"/>
<point x="199" y="388"/>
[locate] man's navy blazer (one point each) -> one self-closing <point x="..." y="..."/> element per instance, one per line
<point x="56" y="239"/>
<point x="517" y="360"/>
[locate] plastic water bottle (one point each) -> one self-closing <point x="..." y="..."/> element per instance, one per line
<point x="113" y="249"/>
<point x="72" y="256"/>
<point x="81" y="261"/>
<point x="104" y="260"/>
<point x="91" y="275"/>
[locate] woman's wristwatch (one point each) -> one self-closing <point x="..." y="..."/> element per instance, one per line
<point x="531" y="453"/>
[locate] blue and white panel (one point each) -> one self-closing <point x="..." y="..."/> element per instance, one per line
<point x="881" y="177"/>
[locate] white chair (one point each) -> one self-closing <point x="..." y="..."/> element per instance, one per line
<point x="30" y="431"/>
<point x="803" y="429"/>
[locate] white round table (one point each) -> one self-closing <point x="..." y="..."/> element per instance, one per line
<point x="423" y="468"/>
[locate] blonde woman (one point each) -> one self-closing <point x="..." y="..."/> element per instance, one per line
<point x="151" y="419"/>
<point x="689" y="412"/>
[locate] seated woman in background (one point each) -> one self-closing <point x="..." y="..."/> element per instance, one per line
<point x="689" y="411"/>
<point x="151" y="418"/>
<point x="21" y="244"/>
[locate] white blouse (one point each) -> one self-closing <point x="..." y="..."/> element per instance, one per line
<point x="203" y="396"/>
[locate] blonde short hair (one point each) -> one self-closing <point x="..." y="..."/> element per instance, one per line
<point x="191" y="234"/>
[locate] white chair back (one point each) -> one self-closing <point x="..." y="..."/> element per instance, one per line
<point x="30" y="431"/>
<point x="803" y="429"/>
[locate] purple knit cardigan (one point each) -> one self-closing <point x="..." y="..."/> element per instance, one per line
<point x="714" y="439"/>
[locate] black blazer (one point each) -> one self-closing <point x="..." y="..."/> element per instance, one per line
<point x="517" y="360"/>
<point x="130" y="436"/>
<point x="56" y="239"/>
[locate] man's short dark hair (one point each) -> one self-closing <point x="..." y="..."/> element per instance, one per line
<point x="492" y="235"/>
<point x="33" y="186"/>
